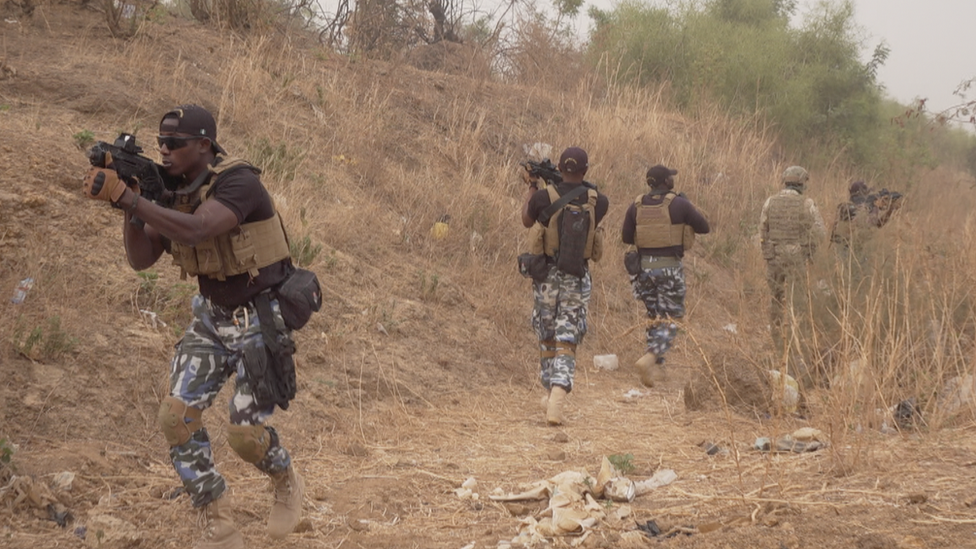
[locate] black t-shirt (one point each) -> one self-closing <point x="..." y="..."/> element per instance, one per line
<point x="242" y="191"/>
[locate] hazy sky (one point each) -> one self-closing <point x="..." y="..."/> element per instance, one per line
<point x="933" y="45"/>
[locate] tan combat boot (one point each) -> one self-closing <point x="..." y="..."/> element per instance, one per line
<point x="554" y="411"/>
<point x="219" y="531"/>
<point x="287" y="511"/>
<point x="646" y="369"/>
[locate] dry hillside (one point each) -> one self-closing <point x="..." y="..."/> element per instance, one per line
<point x="420" y="372"/>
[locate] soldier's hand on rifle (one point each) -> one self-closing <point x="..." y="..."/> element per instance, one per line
<point x="528" y="178"/>
<point x="103" y="184"/>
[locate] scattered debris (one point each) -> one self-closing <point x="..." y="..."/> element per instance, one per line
<point x="633" y="393"/>
<point x="807" y="434"/>
<point x="20" y="292"/>
<point x="606" y="362"/>
<point x="661" y="477"/>
<point x="59" y="514"/>
<point x="786" y="391"/>
<point x="906" y="414"/>
<point x="650" y="528"/>
<point x="917" y="499"/>
<point x="731" y="328"/>
<point x="153" y="318"/>
<point x="710" y="448"/>
<point x="63" y="481"/>
<point x="573" y="508"/>
<point x="113" y="532"/>
<point x="467" y="490"/>
<point x="787" y="444"/>
<point x="557" y="455"/>
<point x="440" y="229"/>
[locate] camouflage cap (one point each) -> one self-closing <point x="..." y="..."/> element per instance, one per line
<point x="795" y="175"/>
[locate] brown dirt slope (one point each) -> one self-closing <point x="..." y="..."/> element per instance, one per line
<point x="420" y="372"/>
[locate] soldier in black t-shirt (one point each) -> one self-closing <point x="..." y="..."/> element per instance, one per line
<point x="223" y="229"/>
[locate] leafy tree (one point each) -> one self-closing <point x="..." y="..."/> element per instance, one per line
<point x="744" y="54"/>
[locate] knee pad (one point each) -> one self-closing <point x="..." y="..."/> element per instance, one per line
<point x="178" y="421"/>
<point x="251" y="442"/>
<point x="563" y="348"/>
<point x="547" y="349"/>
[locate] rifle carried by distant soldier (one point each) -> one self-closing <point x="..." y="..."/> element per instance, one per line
<point x="865" y="209"/>
<point x="544" y="173"/>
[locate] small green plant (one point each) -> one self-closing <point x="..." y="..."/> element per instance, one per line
<point x="7" y="450"/>
<point x="331" y="261"/>
<point x="304" y="252"/>
<point x="622" y="462"/>
<point x="428" y="284"/>
<point x="41" y="343"/>
<point x="4" y="107"/>
<point x="149" y="281"/>
<point x="84" y="139"/>
<point x="277" y="161"/>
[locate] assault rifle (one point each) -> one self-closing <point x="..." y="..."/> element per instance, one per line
<point x="125" y="157"/>
<point x="547" y="172"/>
<point x="885" y="199"/>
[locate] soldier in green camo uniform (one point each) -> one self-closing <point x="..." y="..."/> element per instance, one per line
<point x="790" y="230"/>
<point x="222" y="228"/>
<point x="564" y="218"/>
<point x="662" y="225"/>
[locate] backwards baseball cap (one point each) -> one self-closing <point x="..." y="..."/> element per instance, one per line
<point x="192" y="120"/>
<point x="573" y="160"/>
<point x="657" y="176"/>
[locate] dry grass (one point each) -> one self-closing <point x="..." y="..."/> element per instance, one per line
<point x="363" y="158"/>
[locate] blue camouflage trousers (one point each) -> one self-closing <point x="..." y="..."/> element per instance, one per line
<point x="662" y="291"/>
<point x="559" y="321"/>
<point x="210" y="352"/>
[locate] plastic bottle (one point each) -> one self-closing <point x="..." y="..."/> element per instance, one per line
<point x="20" y="293"/>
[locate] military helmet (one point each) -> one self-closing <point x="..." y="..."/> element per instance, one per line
<point x="795" y="175"/>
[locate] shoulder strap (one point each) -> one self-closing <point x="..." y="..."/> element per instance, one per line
<point x="557" y="205"/>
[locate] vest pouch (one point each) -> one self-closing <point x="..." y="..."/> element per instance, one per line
<point x="597" y="253"/>
<point x="537" y="238"/>
<point x="632" y="262"/>
<point x="534" y="266"/>
<point x="208" y="257"/>
<point x="185" y="257"/>
<point x="242" y="253"/>
<point x="298" y="297"/>
<point x="688" y="237"/>
<point x="574" y="227"/>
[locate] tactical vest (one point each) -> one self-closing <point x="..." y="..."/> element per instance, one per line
<point x="244" y="249"/>
<point x="654" y="228"/>
<point x="788" y="220"/>
<point x="551" y="234"/>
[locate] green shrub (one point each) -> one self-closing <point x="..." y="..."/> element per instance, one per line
<point x="84" y="139"/>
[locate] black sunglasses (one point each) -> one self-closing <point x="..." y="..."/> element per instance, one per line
<point x="174" y="142"/>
